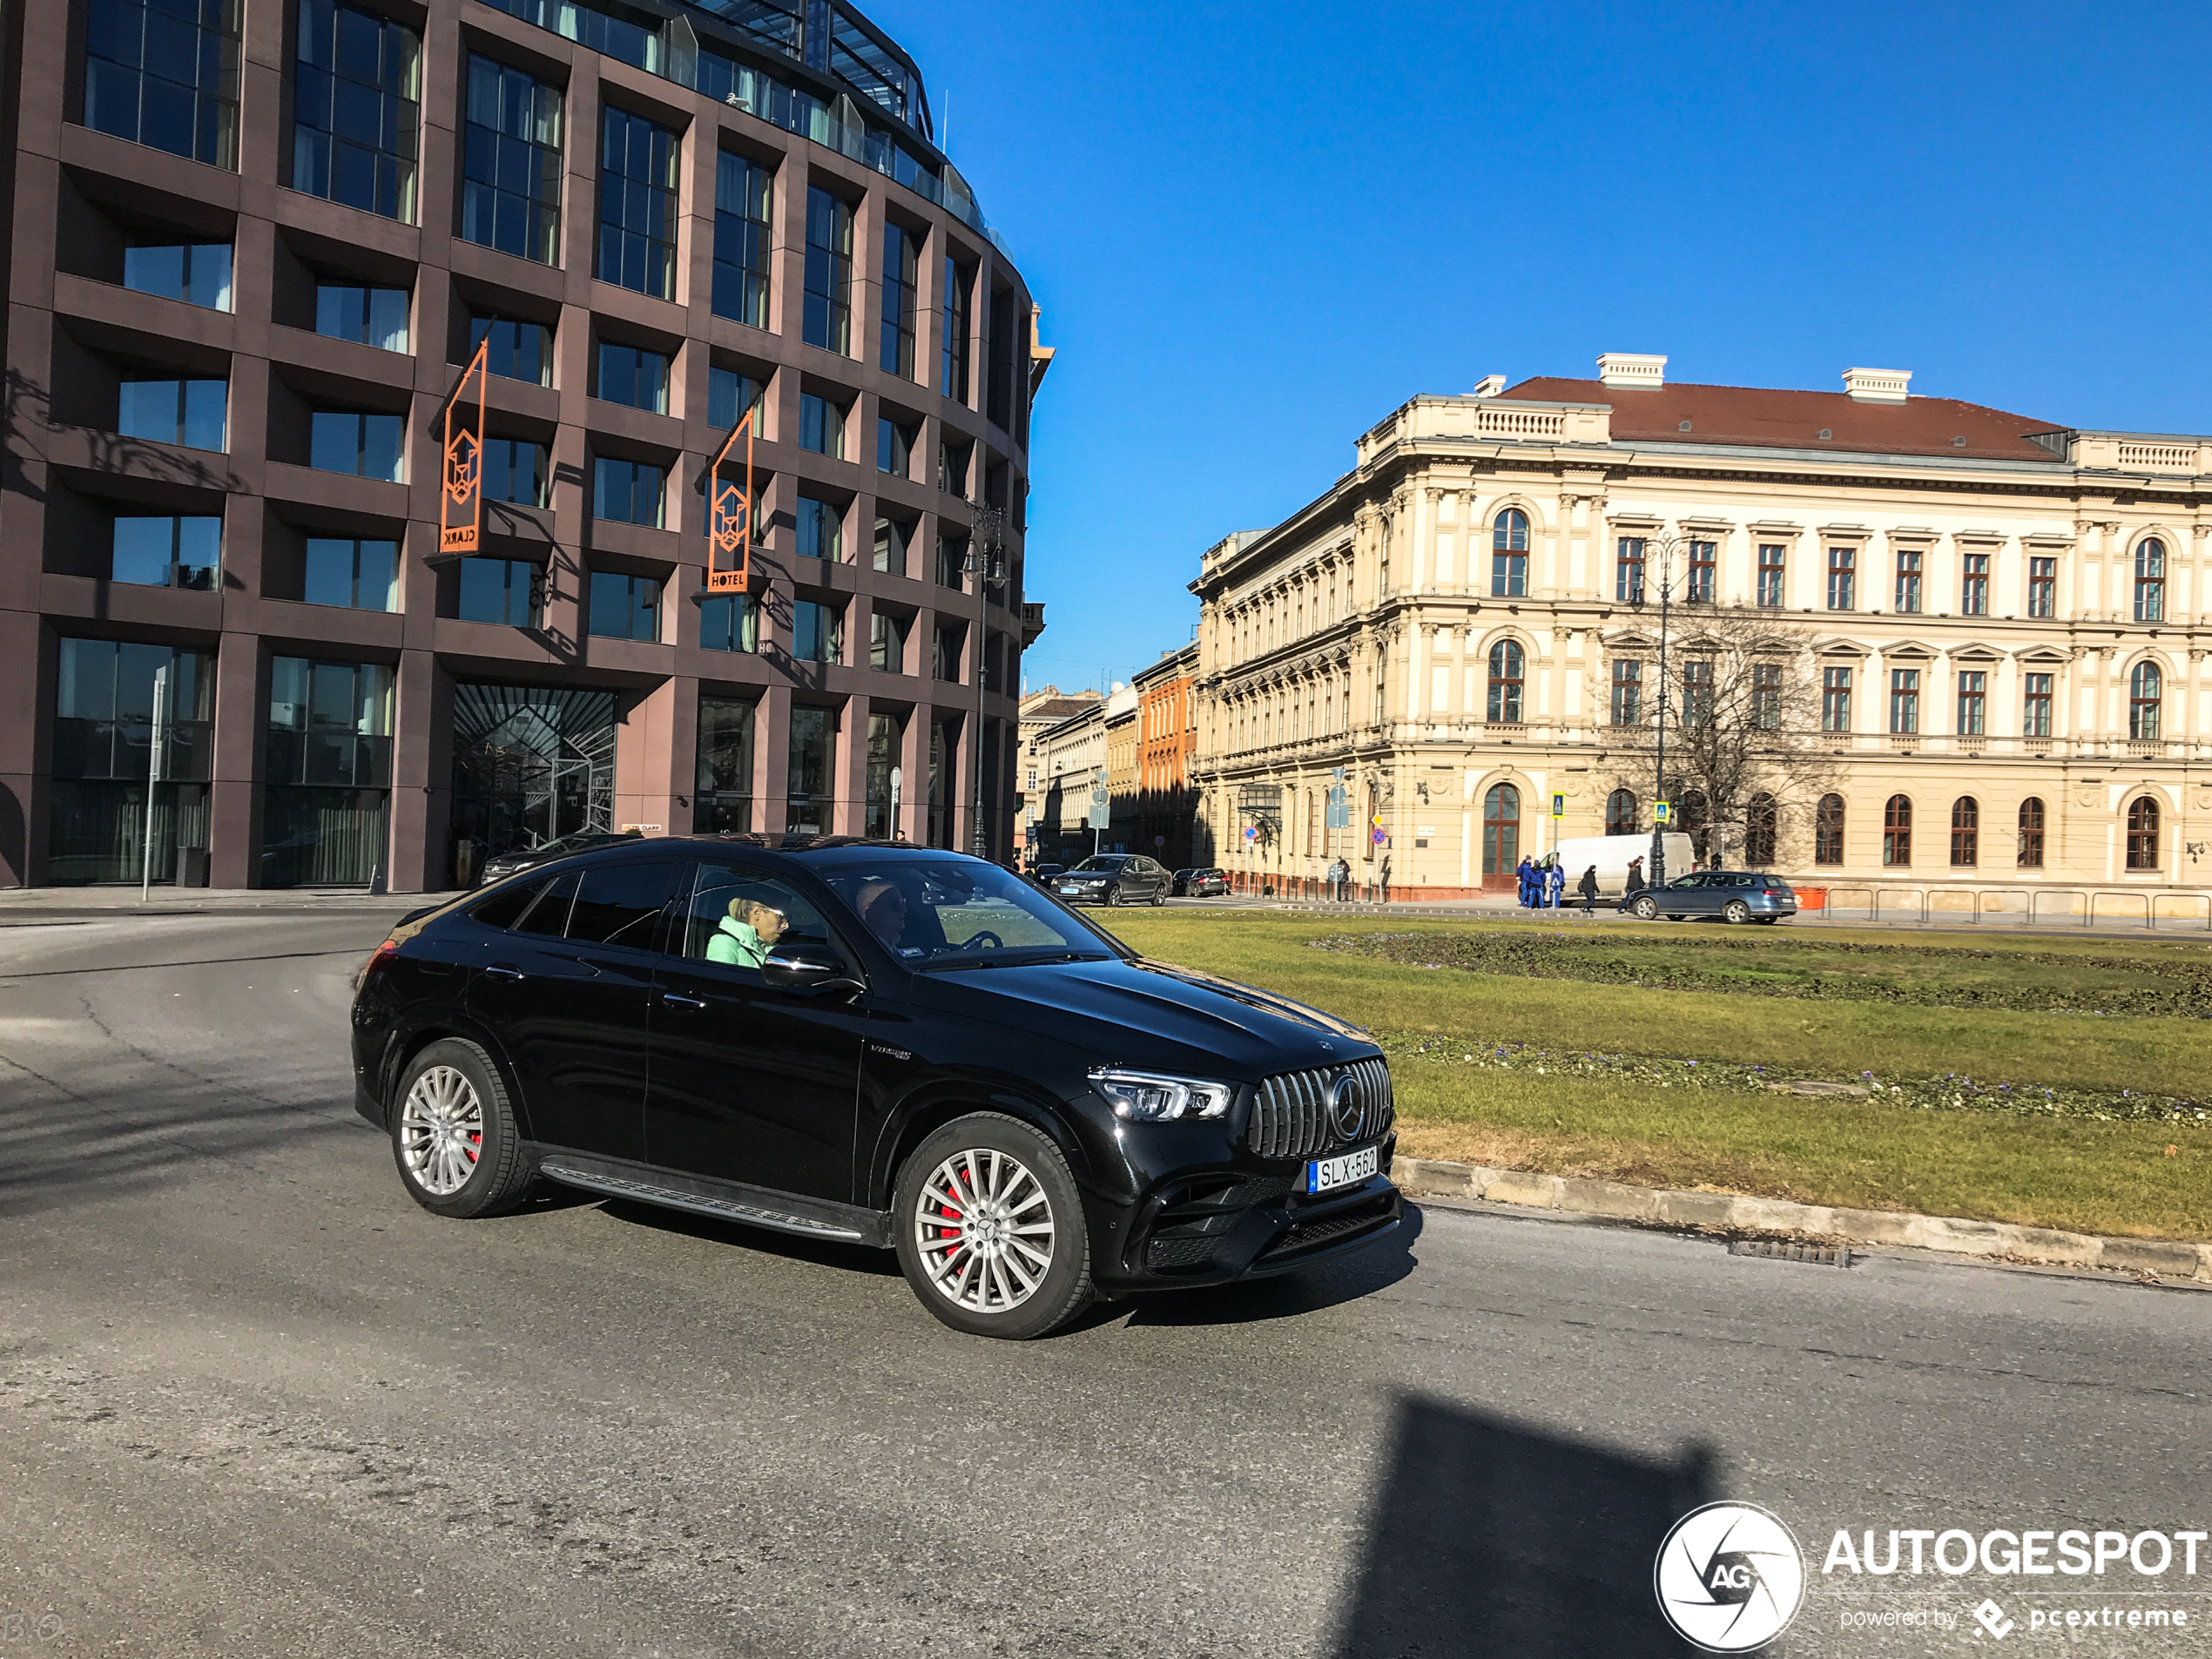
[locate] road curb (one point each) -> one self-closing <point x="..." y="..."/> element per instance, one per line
<point x="1731" y="1212"/>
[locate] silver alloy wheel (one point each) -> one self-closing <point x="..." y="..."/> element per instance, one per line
<point x="441" y="1131"/>
<point x="983" y="1226"/>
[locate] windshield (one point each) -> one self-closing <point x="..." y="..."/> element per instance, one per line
<point x="1112" y="861"/>
<point x="960" y="913"/>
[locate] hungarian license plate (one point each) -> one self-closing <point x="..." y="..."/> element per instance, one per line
<point x="1326" y="1175"/>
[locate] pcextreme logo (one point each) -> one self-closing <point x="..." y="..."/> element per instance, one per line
<point x="1730" y="1577"/>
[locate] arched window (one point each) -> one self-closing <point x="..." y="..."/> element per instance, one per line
<point x="2142" y="833"/>
<point x="2145" y="686"/>
<point x="1509" y="555"/>
<point x="1828" y="831"/>
<point x="1897" y="832"/>
<point x="1506" y="664"/>
<point x="2032" y="833"/>
<point x="2151" y="580"/>
<point x="1500" y="835"/>
<point x="1621" y="813"/>
<point x="1966" y="832"/>
<point x="1760" y="819"/>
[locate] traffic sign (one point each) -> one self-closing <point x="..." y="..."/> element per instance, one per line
<point x="1663" y="812"/>
<point x="1376" y="820"/>
<point x="1379" y="837"/>
<point x="1336" y="774"/>
<point x="1340" y="811"/>
<point x="1559" y="806"/>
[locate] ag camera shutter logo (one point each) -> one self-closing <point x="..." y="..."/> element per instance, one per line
<point x="1730" y="1577"/>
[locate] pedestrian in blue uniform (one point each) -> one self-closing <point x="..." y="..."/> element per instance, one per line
<point x="1555" y="881"/>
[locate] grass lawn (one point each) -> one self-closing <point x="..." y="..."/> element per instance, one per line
<point x="2089" y="1014"/>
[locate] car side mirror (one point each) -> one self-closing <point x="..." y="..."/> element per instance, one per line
<point x="807" y="968"/>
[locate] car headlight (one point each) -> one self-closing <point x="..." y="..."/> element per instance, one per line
<point x="1155" y="1097"/>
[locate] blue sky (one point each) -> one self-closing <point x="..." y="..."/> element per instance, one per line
<point x="1256" y="230"/>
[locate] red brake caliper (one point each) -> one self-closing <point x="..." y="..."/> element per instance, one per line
<point x="951" y="1214"/>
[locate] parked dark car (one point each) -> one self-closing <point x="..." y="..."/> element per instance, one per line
<point x="503" y="865"/>
<point x="878" y="1044"/>
<point x="1043" y="874"/>
<point x="1733" y="895"/>
<point x="1201" y="883"/>
<point x="1115" y="878"/>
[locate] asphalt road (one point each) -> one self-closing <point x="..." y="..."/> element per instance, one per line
<point x="253" y="1401"/>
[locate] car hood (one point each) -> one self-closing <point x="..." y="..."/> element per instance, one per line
<point x="1145" y="1013"/>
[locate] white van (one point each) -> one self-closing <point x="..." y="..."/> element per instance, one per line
<point x="1611" y="855"/>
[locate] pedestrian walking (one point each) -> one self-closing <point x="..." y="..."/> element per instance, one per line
<point x="1525" y="876"/>
<point x="1587" y="886"/>
<point x="1555" y="881"/>
<point x="1635" y="873"/>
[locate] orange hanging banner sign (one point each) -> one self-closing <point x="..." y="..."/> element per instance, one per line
<point x="729" y="521"/>
<point x="461" y="497"/>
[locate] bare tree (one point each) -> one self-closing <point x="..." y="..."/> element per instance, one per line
<point x="1745" y="759"/>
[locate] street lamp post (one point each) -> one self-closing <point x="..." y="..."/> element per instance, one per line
<point x="1659" y="551"/>
<point x="987" y="560"/>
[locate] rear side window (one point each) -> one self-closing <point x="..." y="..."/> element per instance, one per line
<point x="505" y="907"/>
<point x="621" y="904"/>
<point x="549" y="915"/>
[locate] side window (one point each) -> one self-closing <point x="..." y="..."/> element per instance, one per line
<point x="549" y="915"/>
<point x="621" y="904"/>
<point x="738" y="914"/>
<point x="505" y="907"/>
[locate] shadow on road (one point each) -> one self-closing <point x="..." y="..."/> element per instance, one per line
<point x="1489" y="1538"/>
<point x="1287" y="1295"/>
<point x="853" y="1257"/>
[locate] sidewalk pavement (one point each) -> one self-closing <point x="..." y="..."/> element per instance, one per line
<point x="1993" y="921"/>
<point x="23" y="906"/>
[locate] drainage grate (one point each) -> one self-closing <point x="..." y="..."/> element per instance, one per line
<point x="1782" y="1251"/>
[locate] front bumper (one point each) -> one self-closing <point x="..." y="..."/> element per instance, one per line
<point x="1214" y="1226"/>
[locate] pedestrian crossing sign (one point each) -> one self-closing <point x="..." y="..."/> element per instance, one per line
<point x="1663" y="812"/>
<point x="1559" y="806"/>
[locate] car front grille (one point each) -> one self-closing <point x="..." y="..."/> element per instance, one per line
<point x="1292" y="1118"/>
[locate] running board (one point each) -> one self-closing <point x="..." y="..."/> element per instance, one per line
<point x="616" y="1186"/>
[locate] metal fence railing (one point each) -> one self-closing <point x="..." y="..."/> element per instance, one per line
<point x="2090" y="905"/>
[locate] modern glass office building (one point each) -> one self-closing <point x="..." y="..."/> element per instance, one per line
<point x="238" y="302"/>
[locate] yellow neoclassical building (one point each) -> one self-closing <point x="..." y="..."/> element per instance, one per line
<point x="1999" y="623"/>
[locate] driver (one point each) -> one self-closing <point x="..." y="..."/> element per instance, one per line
<point x="745" y="935"/>
<point x="883" y="908"/>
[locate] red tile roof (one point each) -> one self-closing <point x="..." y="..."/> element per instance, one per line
<point x="1783" y="419"/>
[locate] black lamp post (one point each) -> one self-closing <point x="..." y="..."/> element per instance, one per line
<point x="1659" y="551"/>
<point x="987" y="562"/>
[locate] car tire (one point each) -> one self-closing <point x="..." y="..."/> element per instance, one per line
<point x="1766" y="921"/>
<point x="1159" y="897"/>
<point x="1645" y="910"/>
<point x="1673" y="916"/>
<point x="1736" y="913"/>
<point x="455" y="1136"/>
<point x="983" y="1172"/>
<point x="1114" y="895"/>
